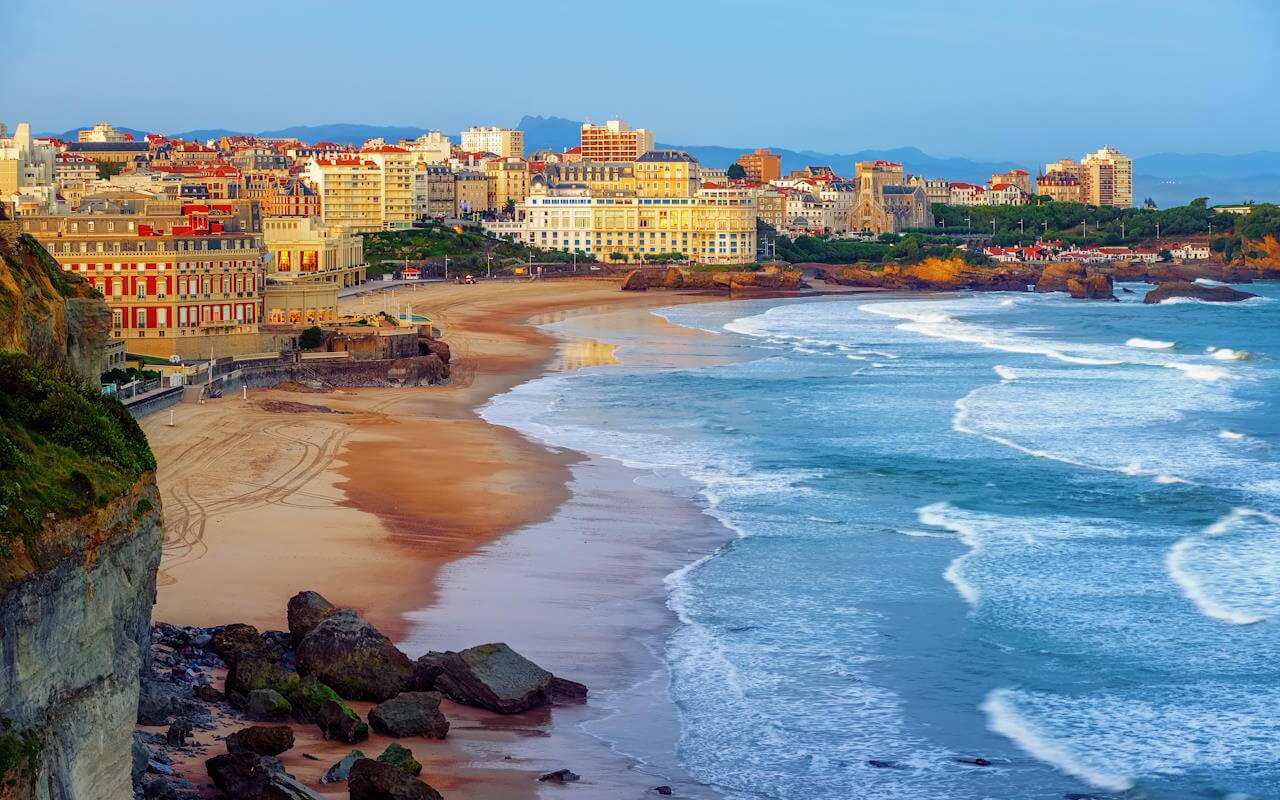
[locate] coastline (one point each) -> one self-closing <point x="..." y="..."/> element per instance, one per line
<point x="367" y="502"/>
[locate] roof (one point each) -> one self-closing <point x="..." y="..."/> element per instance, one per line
<point x="108" y="147"/>
<point x="384" y="148"/>
<point x="667" y="155"/>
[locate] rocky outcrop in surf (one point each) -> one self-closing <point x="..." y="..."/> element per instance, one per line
<point x="769" y="278"/>
<point x="1170" y="290"/>
<point x="932" y="274"/>
<point x="1076" y="280"/>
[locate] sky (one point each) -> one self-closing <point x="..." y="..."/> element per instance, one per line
<point x="1006" y="79"/>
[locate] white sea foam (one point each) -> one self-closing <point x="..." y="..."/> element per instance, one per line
<point x="1231" y="436"/>
<point x="942" y="515"/>
<point x="1149" y="344"/>
<point x="1003" y="718"/>
<point x="1005" y="373"/>
<point x="1209" y="282"/>
<point x="927" y="320"/>
<point x="1227" y="354"/>
<point x="1231" y="570"/>
<point x="1200" y="372"/>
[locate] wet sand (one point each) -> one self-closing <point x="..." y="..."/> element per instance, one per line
<point x="367" y="505"/>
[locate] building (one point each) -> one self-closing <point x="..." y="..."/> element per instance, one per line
<point x="1107" y="178"/>
<point x="1191" y="251"/>
<point x="395" y="176"/>
<point x="1006" y="194"/>
<point x="771" y="206"/>
<point x="103" y="132"/>
<point x="1017" y="177"/>
<point x="26" y="164"/>
<point x="938" y="190"/>
<point x="871" y="176"/>
<point x="615" y="141"/>
<point x="507" y="183"/>
<point x="596" y="176"/>
<point x="503" y="142"/>
<point x="432" y="147"/>
<point x="290" y="198"/>
<point x="470" y="192"/>
<point x="180" y="279"/>
<point x="349" y="191"/>
<point x="666" y="173"/>
<point x="891" y="209"/>
<point x="433" y="191"/>
<point x="967" y="194"/>
<point x="122" y="153"/>
<point x="761" y="166"/>
<point x="1062" y="186"/>
<point x="808" y="213"/>
<point x="711" y="226"/>
<point x="305" y="249"/>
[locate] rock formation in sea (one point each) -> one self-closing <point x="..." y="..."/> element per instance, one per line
<point x="1076" y="280"/>
<point x="768" y="278"/>
<point x="932" y="274"/>
<point x="1169" y="290"/>
<point x="80" y="534"/>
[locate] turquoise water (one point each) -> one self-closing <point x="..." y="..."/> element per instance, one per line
<point x="1021" y="528"/>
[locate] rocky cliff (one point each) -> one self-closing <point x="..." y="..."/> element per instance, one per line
<point x="79" y="541"/>
<point x="55" y="316"/>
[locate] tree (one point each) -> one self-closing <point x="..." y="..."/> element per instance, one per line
<point x="737" y="172"/>
<point x="1164" y="255"/>
<point x="509" y="207"/>
<point x="311" y="338"/>
<point x="107" y="169"/>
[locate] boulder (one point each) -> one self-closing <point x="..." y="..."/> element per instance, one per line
<point x="1054" y="277"/>
<point x="230" y="642"/>
<point x="350" y="655"/>
<point x="306" y="696"/>
<point x="425" y="671"/>
<point x="410" y="714"/>
<point x="1094" y="287"/>
<point x="240" y="775"/>
<point x="178" y="732"/>
<point x="157" y="702"/>
<point x="140" y="756"/>
<point x="267" y="705"/>
<point x="1169" y="290"/>
<point x="495" y="677"/>
<point x="306" y="610"/>
<point x="374" y="780"/>
<point x="561" y="776"/>
<point x="635" y="281"/>
<point x="342" y="770"/>
<point x="340" y="723"/>
<point x="254" y="670"/>
<point x="397" y="755"/>
<point x="264" y="740"/>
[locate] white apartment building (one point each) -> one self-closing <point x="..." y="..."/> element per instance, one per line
<point x="432" y="147"/>
<point x="503" y="142"/>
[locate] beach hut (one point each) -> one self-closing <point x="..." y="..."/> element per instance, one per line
<point x="410" y="274"/>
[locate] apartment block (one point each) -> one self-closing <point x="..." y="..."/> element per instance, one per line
<point x="761" y="166"/>
<point x="1107" y="178"/>
<point x="615" y="141"/>
<point x="503" y="142"/>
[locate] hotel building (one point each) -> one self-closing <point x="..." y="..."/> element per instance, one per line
<point x="503" y="142"/>
<point x="180" y="279"/>
<point x="761" y="166"/>
<point x="615" y="141"/>
<point x="1107" y="178"/>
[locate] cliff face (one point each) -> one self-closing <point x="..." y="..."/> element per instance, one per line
<point x="934" y="274"/>
<point x="1263" y="254"/>
<point x="79" y="542"/>
<point x="768" y="278"/>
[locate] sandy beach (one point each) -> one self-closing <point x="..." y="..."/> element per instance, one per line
<point x="364" y="495"/>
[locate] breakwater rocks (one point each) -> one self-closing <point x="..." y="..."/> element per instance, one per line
<point x="1171" y="290"/>
<point x="277" y="680"/>
<point x="765" y="279"/>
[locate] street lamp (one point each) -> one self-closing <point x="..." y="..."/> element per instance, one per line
<point x="968" y="223"/>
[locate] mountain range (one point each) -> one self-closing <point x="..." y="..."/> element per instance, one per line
<point x="1167" y="178"/>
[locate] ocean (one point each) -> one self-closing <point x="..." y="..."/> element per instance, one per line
<point x="976" y="545"/>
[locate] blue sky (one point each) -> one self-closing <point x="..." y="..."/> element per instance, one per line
<point x="1004" y="79"/>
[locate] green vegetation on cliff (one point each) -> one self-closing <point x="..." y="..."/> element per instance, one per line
<point x="466" y="250"/>
<point x="63" y="450"/>
<point x="909" y="249"/>
<point x="1081" y="224"/>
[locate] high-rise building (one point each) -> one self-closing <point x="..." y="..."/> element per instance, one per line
<point x="1107" y="178"/>
<point x="180" y="278"/>
<point x="502" y="142"/>
<point x="26" y="163"/>
<point x="615" y="141"/>
<point x="761" y="166"/>
<point x="103" y="132"/>
<point x="367" y="191"/>
<point x="507" y="181"/>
